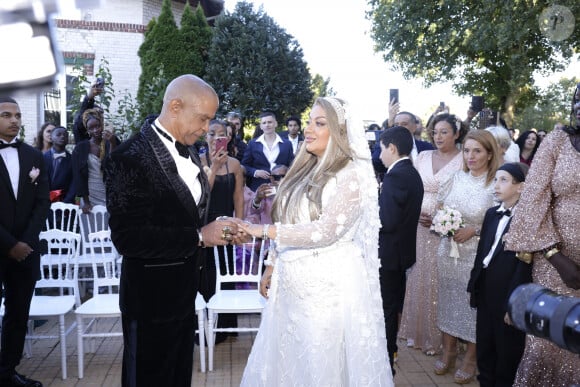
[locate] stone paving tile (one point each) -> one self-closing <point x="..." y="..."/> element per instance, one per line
<point x="103" y="368"/>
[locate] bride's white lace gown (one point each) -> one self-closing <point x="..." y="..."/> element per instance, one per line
<point x="323" y="324"/>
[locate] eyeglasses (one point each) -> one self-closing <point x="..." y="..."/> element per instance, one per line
<point x="277" y="177"/>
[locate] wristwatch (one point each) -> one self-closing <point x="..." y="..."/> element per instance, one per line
<point x="477" y="231"/>
<point x="200" y="237"/>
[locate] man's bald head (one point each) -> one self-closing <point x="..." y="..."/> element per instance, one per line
<point x="189" y="104"/>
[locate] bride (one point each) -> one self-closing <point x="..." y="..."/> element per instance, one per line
<point x="323" y="323"/>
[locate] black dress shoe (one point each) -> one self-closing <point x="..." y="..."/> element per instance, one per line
<point x="18" y="380"/>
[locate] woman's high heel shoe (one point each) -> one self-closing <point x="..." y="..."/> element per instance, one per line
<point x="466" y="373"/>
<point x="446" y="363"/>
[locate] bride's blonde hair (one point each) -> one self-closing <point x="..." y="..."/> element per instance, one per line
<point x="309" y="174"/>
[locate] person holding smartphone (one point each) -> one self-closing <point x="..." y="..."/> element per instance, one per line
<point x="80" y="131"/>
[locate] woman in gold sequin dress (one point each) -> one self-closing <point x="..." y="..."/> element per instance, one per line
<point x="549" y="219"/>
<point x="419" y="321"/>
<point x="469" y="191"/>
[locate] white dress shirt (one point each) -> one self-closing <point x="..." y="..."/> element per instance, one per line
<point x="395" y="163"/>
<point x="10" y="157"/>
<point x="270" y="153"/>
<point x="498" y="233"/>
<point x="186" y="168"/>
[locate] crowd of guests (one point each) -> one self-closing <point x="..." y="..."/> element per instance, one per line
<point x="448" y="302"/>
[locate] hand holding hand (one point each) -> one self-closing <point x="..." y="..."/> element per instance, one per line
<point x="20" y="251"/>
<point x="221" y="232"/>
<point x="464" y="234"/>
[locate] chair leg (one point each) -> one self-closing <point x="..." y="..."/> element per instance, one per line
<point x="94" y="328"/>
<point x="210" y="338"/>
<point x="62" y="346"/>
<point x="80" y="349"/>
<point x="201" y="320"/>
<point x="27" y="341"/>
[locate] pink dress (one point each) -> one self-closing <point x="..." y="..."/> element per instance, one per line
<point x="419" y="321"/>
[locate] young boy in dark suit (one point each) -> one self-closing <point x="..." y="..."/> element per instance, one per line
<point x="400" y="205"/>
<point x="58" y="163"/>
<point x="496" y="273"/>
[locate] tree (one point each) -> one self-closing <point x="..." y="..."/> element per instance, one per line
<point x="254" y="65"/>
<point x="160" y="55"/>
<point x="490" y="48"/>
<point x="195" y="35"/>
<point x="553" y="106"/>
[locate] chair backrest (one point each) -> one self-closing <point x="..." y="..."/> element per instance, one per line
<point x="63" y="216"/>
<point x="58" y="266"/>
<point x="105" y="261"/>
<point x="96" y="220"/>
<point x="239" y="263"/>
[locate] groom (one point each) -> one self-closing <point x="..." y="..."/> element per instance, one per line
<point x="400" y="205"/>
<point x="157" y="197"/>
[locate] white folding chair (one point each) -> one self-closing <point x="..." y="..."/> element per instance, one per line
<point x="63" y="216"/>
<point x="59" y="271"/>
<point x="246" y="269"/>
<point x="96" y="220"/>
<point x="200" y="311"/>
<point x="105" y="300"/>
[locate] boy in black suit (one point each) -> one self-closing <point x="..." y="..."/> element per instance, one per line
<point x="400" y="205"/>
<point x="496" y="273"/>
<point x="24" y="207"/>
<point x="58" y="163"/>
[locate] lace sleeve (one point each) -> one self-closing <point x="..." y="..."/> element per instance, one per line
<point x="340" y="211"/>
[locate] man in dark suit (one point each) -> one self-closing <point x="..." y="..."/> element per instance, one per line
<point x="400" y="205"/>
<point x="266" y="151"/>
<point x="409" y="121"/>
<point x="58" y="163"/>
<point x="24" y="208"/>
<point x="495" y="275"/>
<point x="294" y="133"/>
<point x="157" y="197"/>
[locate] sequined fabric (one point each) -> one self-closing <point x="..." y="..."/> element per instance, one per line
<point x="548" y="213"/>
<point x="323" y="324"/>
<point x="419" y="321"/>
<point x="470" y="196"/>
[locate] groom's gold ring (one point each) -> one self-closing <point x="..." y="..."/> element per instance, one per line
<point x="226" y="232"/>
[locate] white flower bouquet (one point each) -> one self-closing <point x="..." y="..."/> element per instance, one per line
<point x="446" y="222"/>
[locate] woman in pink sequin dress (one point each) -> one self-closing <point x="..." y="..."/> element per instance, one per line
<point x="549" y="219"/>
<point x="419" y="321"/>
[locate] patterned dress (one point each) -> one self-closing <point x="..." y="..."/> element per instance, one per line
<point x="472" y="197"/>
<point x="419" y="321"/>
<point x="548" y="213"/>
<point x="323" y="324"/>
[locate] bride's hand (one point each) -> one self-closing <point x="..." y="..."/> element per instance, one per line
<point x="265" y="281"/>
<point x="255" y="230"/>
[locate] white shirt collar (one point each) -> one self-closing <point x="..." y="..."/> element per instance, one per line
<point x="395" y="163"/>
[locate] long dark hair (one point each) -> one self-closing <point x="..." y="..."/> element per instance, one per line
<point x="521" y="141"/>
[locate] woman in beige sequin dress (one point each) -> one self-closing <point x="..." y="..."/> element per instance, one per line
<point x="469" y="191"/>
<point x="419" y="321"/>
<point x="548" y="217"/>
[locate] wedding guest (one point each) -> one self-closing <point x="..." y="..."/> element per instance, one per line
<point x="508" y="149"/>
<point x="80" y="130"/>
<point x="545" y="231"/>
<point x="419" y="320"/>
<point x="400" y="205"/>
<point x="528" y="143"/>
<point x="43" y="141"/>
<point x="495" y="275"/>
<point x="235" y="119"/>
<point x="541" y="134"/>
<point x="293" y="134"/>
<point x="58" y="162"/>
<point x="266" y="151"/>
<point x="470" y="192"/>
<point x="88" y="156"/>
<point x="259" y="205"/>
<point x="25" y="204"/>
<point x="323" y="317"/>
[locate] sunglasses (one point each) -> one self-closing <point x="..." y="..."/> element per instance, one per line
<point x="277" y="177"/>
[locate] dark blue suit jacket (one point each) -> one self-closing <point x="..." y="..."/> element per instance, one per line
<point x="378" y="164"/>
<point x="504" y="273"/>
<point x="284" y="135"/>
<point x="254" y="159"/>
<point x="63" y="179"/>
<point x="400" y="205"/>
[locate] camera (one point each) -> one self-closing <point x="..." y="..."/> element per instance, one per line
<point x="539" y="311"/>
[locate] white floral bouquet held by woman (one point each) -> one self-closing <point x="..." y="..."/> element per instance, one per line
<point x="445" y="223"/>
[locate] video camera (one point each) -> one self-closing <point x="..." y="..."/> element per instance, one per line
<point x="539" y="311"/>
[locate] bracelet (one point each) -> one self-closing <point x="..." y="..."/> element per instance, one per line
<point x="549" y="254"/>
<point x="524" y="256"/>
<point x="265" y="231"/>
<point x="255" y="205"/>
<point x="200" y="237"/>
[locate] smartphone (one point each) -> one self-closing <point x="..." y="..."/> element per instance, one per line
<point x="477" y="103"/>
<point x="100" y="83"/>
<point x="394" y="95"/>
<point x="221" y="143"/>
<point x="271" y="191"/>
<point x="442" y="104"/>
